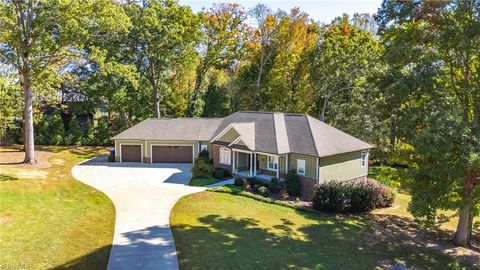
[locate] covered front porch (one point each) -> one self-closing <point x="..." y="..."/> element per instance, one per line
<point x="262" y="166"/>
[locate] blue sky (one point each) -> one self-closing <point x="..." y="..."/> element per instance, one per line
<point x="319" y="10"/>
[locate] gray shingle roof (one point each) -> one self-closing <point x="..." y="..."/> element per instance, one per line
<point x="247" y="133"/>
<point x="276" y="133"/>
<point x="172" y="129"/>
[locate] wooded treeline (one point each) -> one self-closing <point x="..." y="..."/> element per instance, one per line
<point x="405" y="80"/>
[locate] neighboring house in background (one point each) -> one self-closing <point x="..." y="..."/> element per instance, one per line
<point x="260" y="144"/>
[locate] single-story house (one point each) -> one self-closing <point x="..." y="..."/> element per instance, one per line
<point x="260" y="144"/>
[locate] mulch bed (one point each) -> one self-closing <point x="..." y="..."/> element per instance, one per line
<point x="14" y="156"/>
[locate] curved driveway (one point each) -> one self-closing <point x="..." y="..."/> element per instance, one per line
<point x="143" y="195"/>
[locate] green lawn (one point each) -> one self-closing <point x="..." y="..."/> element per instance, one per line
<point x="50" y="220"/>
<point x="222" y="231"/>
<point x="201" y="182"/>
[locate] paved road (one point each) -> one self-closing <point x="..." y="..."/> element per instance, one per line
<point x="143" y="195"/>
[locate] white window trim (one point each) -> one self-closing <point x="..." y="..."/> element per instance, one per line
<point x="363" y="159"/>
<point x="228" y="158"/>
<point x="275" y="161"/>
<point x="304" y="167"/>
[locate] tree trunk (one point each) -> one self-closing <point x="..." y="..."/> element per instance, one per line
<point x="156" y="101"/>
<point x="257" y="85"/>
<point x="463" y="228"/>
<point x="465" y="219"/>
<point x="28" y="142"/>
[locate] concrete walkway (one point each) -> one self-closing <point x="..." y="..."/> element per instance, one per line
<point x="143" y="195"/>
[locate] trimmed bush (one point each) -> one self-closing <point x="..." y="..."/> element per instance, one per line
<point x="362" y="198"/>
<point x="386" y="196"/>
<point x="332" y="196"/>
<point x="292" y="183"/>
<point x="111" y="156"/>
<point x="202" y="169"/>
<point x="359" y="196"/>
<point x="238" y="181"/>
<point x="102" y="132"/>
<point x="204" y="154"/>
<point x="74" y="136"/>
<point x="56" y="129"/>
<point x="274" y="185"/>
<point x="221" y="173"/>
<point x="264" y="191"/>
<point x="252" y="181"/>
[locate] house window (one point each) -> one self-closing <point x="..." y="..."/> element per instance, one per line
<point x="364" y="158"/>
<point x="300" y="167"/>
<point x="203" y="147"/>
<point x="225" y="155"/>
<point x="272" y="163"/>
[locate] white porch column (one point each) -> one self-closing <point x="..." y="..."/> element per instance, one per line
<point x="251" y="164"/>
<point x="278" y="167"/>
<point x="233" y="161"/>
<point x="286" y="164"/>
<point x="254" y="164"/>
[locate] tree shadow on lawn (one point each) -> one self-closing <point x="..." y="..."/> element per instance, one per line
<point x="331" y="243"/>
<point x="232" y="243"/>
<point x="140" y="249"/>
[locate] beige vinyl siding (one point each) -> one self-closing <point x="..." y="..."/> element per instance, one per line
<point x="242" y="159"/>
<point x="342" y="167"/>
<point x="262" y="161"/>
<point x="310" y="164"/>
<point x="240" y="142"/>
<point x="281" y="163"/>
<point x="229" y="136"/>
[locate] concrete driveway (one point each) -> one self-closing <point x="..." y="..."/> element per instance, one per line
<point x="143" y="195"/>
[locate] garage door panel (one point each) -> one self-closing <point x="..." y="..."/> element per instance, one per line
<point x="131" y="153"/>
<point x="172" y="154"/>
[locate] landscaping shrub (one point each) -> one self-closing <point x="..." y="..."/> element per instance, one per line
<point x="389" y="176"/>
<point x="111" y="156"/>
<point x="88" y="137"/>
<point x="331" y="196"/>
<point x="41" y="131"/>
<point x="252" y="181"/>
<point x="56" y="129"/>
<point x="362" y="197"/>
<point x="385" y="196"/>
<point x="204" y="154"/>
<point x="202" y="169"/>
<point x="283" y="194"/>
<point x="74" y="135"/>
<point x="359" y="196"/>
<point x="238" y="181"/>
<point x="292" y="183"/>
<point x="102" y="132"/>
<point x="264" y="191"/>
<point x="274" y="185"/>
<point x="221" y="173"/>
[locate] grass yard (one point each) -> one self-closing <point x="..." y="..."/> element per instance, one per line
<point x="201" y="182"/>
<point x="222" y="231"/>
<point x="47" y="218"/>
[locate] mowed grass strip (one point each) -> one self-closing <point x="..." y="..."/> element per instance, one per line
<point x="50" y="220"/>
<point x="222" y="231"/>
